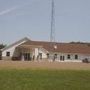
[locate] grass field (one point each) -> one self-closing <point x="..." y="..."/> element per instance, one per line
<point x="20" y="75"/>
<point x="12" y="79"/>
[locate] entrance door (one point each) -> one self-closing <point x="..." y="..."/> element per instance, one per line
<point x="62" y="58"/>
<point x="27" y="56"/>
<point x="40" y="55"/>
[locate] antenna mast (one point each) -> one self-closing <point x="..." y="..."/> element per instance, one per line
<point x="52" y="34"/>
<point x="53" y="46"/>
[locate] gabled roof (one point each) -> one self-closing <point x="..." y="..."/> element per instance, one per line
<point x="17" y="42"/>
<point x="62" y="47"/>
<point x="81" y="48"/>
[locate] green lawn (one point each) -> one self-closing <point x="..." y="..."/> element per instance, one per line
<point x="44" y="80"/>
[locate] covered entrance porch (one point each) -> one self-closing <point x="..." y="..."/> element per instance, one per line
<point x="27" y="52"/>
<point x="26" y="56"/>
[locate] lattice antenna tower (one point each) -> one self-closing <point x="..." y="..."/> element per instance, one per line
<point x="52" y="34"/>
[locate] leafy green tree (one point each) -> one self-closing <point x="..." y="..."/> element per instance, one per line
<point x="2" y="46"/>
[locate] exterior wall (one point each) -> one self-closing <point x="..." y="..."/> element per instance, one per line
<point x="44" y="54"/>
<point x="40" y="50"/>
<point x="6" y="58"/>
<point x="11" y="50"/>
<point x="36" y="53"/>
<point x="72" y="56"/>
<point x="82" y="56"/>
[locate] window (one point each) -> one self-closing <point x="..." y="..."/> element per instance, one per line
<point x="60" y="57"/>
<point x="76" y="56"/>
<point x="63" y="58"/>
<point x="55" y="56"/>
<point x="68" y="56"/>
<point x="7" y="53"/>
<point x="47" y="55"/>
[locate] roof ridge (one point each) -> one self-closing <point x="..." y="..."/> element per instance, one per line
<point x="25" y="38"/>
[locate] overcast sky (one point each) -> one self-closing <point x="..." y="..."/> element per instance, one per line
<point x="31" y="18"/>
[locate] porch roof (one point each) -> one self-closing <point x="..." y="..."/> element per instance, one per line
<point x="29" y="47"/>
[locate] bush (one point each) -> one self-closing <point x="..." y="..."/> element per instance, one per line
<point x="86" y="60"/>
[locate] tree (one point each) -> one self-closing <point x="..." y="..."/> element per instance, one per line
<point x="2" y="46"/>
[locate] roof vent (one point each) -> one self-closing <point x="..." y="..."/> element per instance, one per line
<point x="55" y="46"/>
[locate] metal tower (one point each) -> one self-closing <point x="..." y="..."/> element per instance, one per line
<point x="53" y="45"/>
<point x="52" y="34"/>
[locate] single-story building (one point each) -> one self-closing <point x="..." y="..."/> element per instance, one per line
<point x="27" y="50"/>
